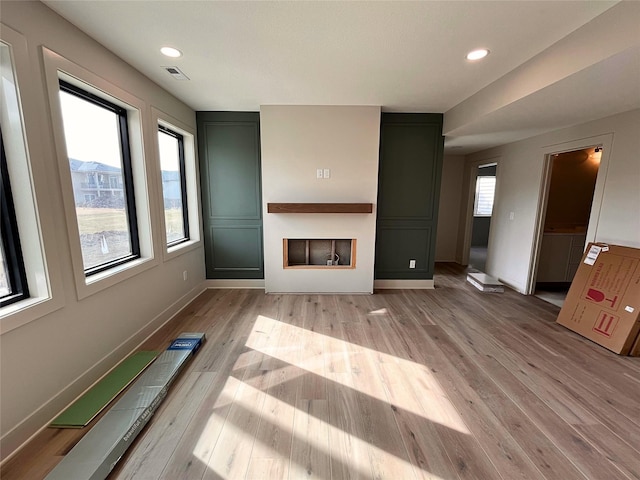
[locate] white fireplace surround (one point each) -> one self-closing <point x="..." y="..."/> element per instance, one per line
<point x="296" y="141"/>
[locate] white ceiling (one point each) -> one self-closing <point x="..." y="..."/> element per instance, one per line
<point x="403" y="56"/>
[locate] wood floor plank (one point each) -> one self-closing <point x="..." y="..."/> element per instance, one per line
<point x="609" y="445"/>
<point x="190" y="458"/>
<point x="531" y="434"/>
<point x="313" y="387"/>
<point x="426" y="450"/>
<point x="565" y="437"/>
<point x="232" y="452"/>
<point x="271" y="451"/>
<point x="527" y="372"/>
<point x="310" y="452"/>
<point x="503" y="411"/>
<point x="615" y="411"/>
<point x="568" y="435"/>
<point x="465" y="424"/>
<point x="590" y="389"/>
<point x="443" y="384"/>
<point x="149" y="456"/>
<point x="414" y="397"/>
<point x="349" y="450"/>
<point x="388" y="454"/>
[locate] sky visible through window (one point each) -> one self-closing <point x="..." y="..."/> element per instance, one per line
<point x="88" y="141"/>
<point x="169" y="156"/>
<point x="4" y="274"/>
<point x="89" y="131"/>
<point x="172" y="187"/>
<point x="92" y="135"/>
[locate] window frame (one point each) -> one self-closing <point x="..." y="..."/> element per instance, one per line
<point x="56" y="68"/>
<point x="192" y="177"/>
<point x="127" y="173"/>
<point x="16" y="272"/>
<point x="183" y="186"/>
<point x="477" y="196"/>
<point x="27" y="159"/>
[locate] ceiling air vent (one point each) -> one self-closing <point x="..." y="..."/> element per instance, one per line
<point x="176" y="73"/>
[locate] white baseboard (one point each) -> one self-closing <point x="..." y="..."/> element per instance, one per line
<point x="16" y="438"/>
<point x="403" y="284"/>
<point x="231" y="283"/>
<point x="381" y="284"/>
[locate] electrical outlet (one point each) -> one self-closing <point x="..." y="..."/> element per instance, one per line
<point x="184" y="275"/>
<point x="412" y="264"/>
<point x="327" y="173"/>
<point x="512" y="215"/>
<point x="319" y="173"/>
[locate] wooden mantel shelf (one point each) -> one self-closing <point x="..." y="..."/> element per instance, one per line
<point x="319" y="207"/>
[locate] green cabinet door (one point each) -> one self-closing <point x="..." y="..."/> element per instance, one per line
<point x="408" y="192"/>
<point x="229" y="152"/>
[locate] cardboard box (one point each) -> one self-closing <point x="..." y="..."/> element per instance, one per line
<point x="635" y="350"/>
<point x="603" y="303"/>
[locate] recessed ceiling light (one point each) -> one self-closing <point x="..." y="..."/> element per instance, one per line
<point x="477" y="54"/>
<point x="171" y="52"/>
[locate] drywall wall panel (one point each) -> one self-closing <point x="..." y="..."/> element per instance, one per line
<point x="614" y="220"/>
<point x="296" y="142"/>
<point x="231" y="185"/>
<point x="50" y="360"/>
<point x="408" y="195"/>
<point x="449" y="207"/>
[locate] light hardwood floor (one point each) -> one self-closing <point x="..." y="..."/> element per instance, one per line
<point x="445" y="384"/>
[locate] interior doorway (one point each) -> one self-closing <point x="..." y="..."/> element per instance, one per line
<point x="485" y="186"/>
<point x="570" y="187"/>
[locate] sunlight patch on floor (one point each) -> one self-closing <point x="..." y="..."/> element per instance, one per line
<point x="211" y="430"/>
<point x="380" y="311"/>
<point x="428" y="401"/>
<point x="307" y="432"/>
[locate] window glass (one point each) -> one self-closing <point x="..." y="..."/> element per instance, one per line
<point x="5" y="288"/>
<point x="13" y="280"/>
<point x="98" y="149"/>
<point x="171" y="148"/>
<point x="485" y="190"/>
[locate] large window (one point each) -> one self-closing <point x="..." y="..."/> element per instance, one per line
<point x="97" y="141"/>
<point x="174" y="185"/>
<point x="13" y="280"/>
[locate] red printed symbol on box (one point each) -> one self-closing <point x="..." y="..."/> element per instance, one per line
<point x="597" y="296"/>
<point x="605" y="324"/>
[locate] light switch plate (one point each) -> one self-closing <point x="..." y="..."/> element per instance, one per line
<point x="318" y="173"/>
<point x="327" y="173"/>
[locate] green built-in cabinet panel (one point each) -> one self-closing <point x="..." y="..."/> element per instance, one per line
<point x="408" y="192"/>
<point x="229" y="152"/>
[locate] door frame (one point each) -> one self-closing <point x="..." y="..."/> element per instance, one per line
<point x="604" y="141"/>
<point x="470" y="176"/>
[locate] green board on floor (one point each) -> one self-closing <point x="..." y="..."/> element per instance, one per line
<point x="83" y="410"/>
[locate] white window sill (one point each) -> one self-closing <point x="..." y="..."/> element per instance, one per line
<point x="25" y="311"/>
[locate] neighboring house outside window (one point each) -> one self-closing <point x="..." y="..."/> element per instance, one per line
<point x="174" y="186"/>
<point x="102" y="190"/>
<point x="96" y="183"/>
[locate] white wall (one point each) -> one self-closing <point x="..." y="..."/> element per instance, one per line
<point x="296" y="140"/>
<point x="449" y="208"/>
<point x="52" y="358"/>
<point x="617" y="221"/>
